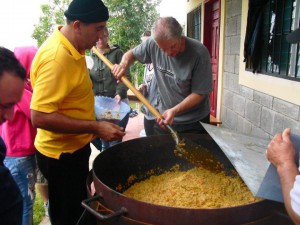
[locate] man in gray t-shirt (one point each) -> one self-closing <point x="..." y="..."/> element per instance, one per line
<point x="183" y="71"/>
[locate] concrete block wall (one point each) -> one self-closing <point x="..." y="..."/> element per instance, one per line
<point x="243" y="109"/>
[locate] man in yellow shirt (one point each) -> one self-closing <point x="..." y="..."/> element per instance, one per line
<point x="62" y="108"/>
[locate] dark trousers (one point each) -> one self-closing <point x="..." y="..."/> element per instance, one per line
<point x="11" y="201"/>
<point x="149" y="126"/>
<point x="195" y="127"/>
<point x="66" y="184"/>
<point x="12" y="216"/>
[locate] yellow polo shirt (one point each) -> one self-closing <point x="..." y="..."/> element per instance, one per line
<point x="61" y="83"/>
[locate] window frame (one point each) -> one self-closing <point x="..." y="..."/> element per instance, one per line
<point x="191" y="16"/>
<point x="295" y="49"/>
<point x="286" y="55"/>
<point x="285" y="89"/>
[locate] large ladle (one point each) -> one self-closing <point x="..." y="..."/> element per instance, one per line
<point x="185" y="148"/>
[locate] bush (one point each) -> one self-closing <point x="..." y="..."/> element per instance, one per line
<point x="38" y="209"/>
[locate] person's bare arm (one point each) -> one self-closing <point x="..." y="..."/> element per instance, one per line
<point x="280" y="153"/>
<point x="120" y="69"/>
<point x="60" y="123"/>
<point x="190" y="101"/>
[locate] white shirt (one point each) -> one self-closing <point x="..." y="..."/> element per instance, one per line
<point x="295" y="196"/>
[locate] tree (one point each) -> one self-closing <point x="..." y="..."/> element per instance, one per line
<point x="128" y="20"/>
<point x="53" y="16"/>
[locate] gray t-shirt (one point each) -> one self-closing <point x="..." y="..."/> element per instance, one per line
<point x="179" y="76"/>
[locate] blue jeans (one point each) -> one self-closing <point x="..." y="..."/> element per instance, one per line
<point x="23" y="171"/>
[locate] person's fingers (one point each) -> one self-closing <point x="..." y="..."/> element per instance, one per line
<point x="268" y="147"/>
<point x="286" y="134"/>
<point x="277" y="137"/>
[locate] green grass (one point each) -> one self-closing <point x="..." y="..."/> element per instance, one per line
<point x="38" y="209"/>
<point x="135" y="105"/>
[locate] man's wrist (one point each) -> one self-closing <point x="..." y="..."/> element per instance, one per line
<point x="123" y="64"/>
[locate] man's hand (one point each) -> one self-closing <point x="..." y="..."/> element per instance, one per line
<point x="109" y="131"/>
<point x="281" y="150"/>
<point x="118" y="70"/>
<point x="141" y="87"/>
<point x="280" y="153"/>
<point x="58" y="122"/>
<point x="168" y="116"/>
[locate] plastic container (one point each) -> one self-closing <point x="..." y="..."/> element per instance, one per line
<point x="109" y="109"/>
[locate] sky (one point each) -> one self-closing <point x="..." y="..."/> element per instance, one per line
<point x="17" y="18"/>
<point x="175" y="8"/>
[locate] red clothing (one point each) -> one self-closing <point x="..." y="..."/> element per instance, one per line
<point x="18" y="134"/>
<point x="25" y="56"/>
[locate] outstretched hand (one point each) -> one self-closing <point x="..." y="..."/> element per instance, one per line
<point x="281" y="150"/>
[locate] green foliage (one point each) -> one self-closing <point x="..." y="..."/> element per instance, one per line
<point x="137" y="73"/>
<point x="128" y="20"/>
<point x="53" y="15"/>
<point x="38" y="209"/>
<point x="135" y="105"/>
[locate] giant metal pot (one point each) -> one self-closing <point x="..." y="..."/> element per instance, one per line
<point x="112" y="168"/>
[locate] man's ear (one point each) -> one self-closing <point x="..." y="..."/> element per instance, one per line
<point x="77" y="25"/>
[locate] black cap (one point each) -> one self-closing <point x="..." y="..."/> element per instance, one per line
<point x="294" y="37"/>
<point x="88" y="11"/>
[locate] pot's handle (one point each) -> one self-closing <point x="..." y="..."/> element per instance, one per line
<point x="85" y="204"/>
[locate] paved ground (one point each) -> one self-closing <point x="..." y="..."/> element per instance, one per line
<point x="134" y="127"/>
<point x="45" y="221"/>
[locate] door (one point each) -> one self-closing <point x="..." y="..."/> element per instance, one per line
<point x="211" y="40"/>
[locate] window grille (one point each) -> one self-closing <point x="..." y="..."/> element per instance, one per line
<point x="194" y="24"/>
<point x="279" y="58"/>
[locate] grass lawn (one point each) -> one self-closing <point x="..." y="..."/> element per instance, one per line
<point x="135" y="105"/>
<point x="38" y="209"/>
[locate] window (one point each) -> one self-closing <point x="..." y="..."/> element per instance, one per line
<point x="279" y="58"/>
<point x="194" y="24"/>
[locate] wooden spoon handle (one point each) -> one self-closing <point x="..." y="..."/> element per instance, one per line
<point x="129" y="85"/>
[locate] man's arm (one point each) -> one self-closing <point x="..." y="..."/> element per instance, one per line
<point x="280" y="153"/>
<point x="60" y="123"/>
<point x="189" y="102"/>
<point x="121" y="90"/>
<point x="120" y="69"/>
